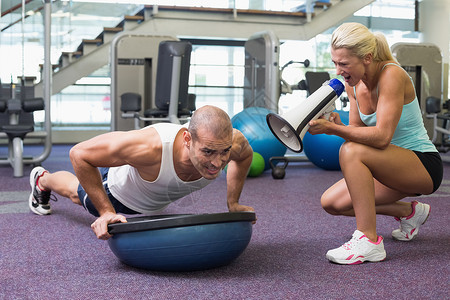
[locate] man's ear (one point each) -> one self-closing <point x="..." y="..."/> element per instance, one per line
<point x="187" y="138"/>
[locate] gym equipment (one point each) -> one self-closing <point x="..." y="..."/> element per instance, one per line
<point x="15" y="149"/>
<point x="252" y="123"/>
<point x="262" y="76"/>
<point x="173" y="103"/>
<point x="290" y="128"/>
<point x="312" y="82"/>
<point x="181" y="242"/>
<point x="133" y="62"/>
<point x="322" y="149"/>
<point x="278" y="172"/>
<point x="16" y="121"/>
<point x="423" y="62"/>
<point x="286" y="88"/>
<point x="258" y="165"/>
<point x="433" y="109"/>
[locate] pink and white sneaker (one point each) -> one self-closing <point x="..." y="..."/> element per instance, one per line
<point x="409" y="226"/>
<point x="358" y="250"/>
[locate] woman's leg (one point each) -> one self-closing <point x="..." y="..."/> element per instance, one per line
<point x="398" y="173"/>
<point x="336" y="200"/>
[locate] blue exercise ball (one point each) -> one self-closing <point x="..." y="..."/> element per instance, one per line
<point x="253" y="125"/>
<point x="322" y="149"/>
<point x="181" y="242"/>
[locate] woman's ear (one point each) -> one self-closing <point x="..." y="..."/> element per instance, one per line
<point x="368" y="58"/>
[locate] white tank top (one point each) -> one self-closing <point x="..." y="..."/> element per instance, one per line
<point x="143" y="196"/>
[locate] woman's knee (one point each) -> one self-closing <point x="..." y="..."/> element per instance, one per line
<point x="353" y="153"/>
<point x="336" y="200"/>
<point x="351" y="150"/>
<point x="330" y="204"/>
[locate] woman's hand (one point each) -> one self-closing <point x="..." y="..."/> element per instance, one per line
<point x="322" y="125"/>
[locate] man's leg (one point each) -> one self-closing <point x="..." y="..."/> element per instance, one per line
<point x="43" y="183"/>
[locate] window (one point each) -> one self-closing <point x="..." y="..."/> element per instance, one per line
<point x="217" y="75"/>
<point x="217" y="71"/>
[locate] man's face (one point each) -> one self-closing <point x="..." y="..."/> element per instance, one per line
<point x="210" y="154"/>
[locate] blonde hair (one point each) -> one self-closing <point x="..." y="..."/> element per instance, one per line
<point x="358" y="39"/>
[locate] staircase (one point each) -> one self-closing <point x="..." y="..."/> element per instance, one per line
<point x="93" y="54"/>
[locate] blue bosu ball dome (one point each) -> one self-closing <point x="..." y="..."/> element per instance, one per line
<point x="181" y="242"/>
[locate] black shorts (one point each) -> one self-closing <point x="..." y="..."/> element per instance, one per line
<point x="89" y="206"/>
<point x="433" y="163"/>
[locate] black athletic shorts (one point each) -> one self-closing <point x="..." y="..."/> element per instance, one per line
<point x="433" y="163"/>
<point x="89" y="206"/>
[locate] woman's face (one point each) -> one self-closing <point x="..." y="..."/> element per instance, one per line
<point x="348" y="65"/>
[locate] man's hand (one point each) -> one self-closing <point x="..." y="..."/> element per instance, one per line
<point x="100" y="226"/>
<point x="238" y="208"/>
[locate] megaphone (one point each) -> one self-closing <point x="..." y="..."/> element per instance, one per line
<point x="291" y="127"/>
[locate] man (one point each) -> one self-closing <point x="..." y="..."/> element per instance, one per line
<point x="143" y="171"/>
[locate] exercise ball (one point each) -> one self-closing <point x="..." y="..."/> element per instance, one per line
<point x="181" y="242"/>
<point x="253" y="125"/>
<point x="257" y="166"/>
<point x="322" y="149"/>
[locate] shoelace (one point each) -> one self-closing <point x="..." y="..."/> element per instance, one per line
<point x="43" y="197"/>
<point x="53" y="198"/>
<point x="349" y="245"/>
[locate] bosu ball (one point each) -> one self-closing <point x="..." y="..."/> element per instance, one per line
<point x="181" y="242"/>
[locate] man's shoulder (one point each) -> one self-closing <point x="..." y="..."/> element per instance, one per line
<point x="165" y="125"/>
<point x="163" y="132"/>
<point x="238" y="137"/>
<point x="241" y="147"/>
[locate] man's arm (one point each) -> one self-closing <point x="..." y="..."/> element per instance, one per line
<point x="237" y="170"/>
<point x="110" y="150"/>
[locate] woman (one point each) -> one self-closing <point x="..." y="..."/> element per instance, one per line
<point x="387" y="155"/>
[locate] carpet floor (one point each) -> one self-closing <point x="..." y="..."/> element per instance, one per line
<point x="59" y="257"/>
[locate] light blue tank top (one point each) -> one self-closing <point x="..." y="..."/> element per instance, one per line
<point x="410" y="132"/>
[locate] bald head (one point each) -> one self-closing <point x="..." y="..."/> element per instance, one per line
<point x="212" y="118"/>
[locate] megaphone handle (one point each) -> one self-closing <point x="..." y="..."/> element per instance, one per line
<point x="328" y="111"/>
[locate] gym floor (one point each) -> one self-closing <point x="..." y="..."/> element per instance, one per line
<point x="58" y="256"/>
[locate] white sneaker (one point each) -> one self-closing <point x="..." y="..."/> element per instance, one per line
<point x="409" y="226"/>
<point x="39" y="199"/>
<point x="358" y="250"/>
